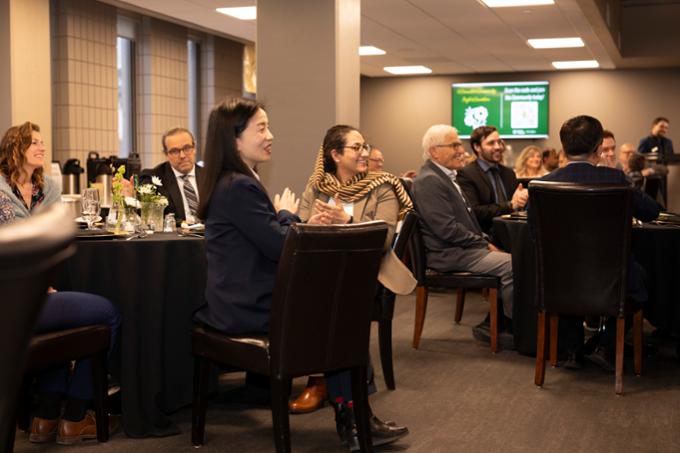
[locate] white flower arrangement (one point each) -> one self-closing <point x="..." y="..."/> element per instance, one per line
<point x="149" y="192"/>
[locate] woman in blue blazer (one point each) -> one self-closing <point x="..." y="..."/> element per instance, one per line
<point x="244" y="234"/>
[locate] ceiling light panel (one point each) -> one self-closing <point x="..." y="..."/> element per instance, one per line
<point x="370" y="50"/>
<point x="243" y="12"/>
<point x="555" y="43"/>
<point x="405" y="70"/>
<point x="576" y="64"/>
<point x="510" y="3"/>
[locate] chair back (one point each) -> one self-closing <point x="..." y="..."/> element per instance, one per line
<point x="29" y="251"/>
<point x="417" y="252"/>
<point x="323" y="295"/>
<point x="403" y="238"/>
<point x="583" y="246"/>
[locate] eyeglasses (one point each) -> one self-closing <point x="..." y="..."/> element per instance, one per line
<point x="454" y="145"/>
<point x="360" y="147"/>
<point x="187" y="149"/>
<point x="382" y="161"/>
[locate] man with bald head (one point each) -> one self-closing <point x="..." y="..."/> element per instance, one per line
<point x="452" y="235"/>
<point x="625" y="151"/>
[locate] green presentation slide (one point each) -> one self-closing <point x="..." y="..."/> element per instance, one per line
<point x="517" y="109"/>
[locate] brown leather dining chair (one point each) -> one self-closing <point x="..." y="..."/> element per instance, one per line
<point x="29" y="252"/>
<point x="582" y="237"/>
<point x="383" y="308"/>
<point x="460" y="281"/>
<point x="323" y="295"/>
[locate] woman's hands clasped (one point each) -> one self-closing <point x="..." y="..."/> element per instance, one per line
<point x="335" y="213"/>
<point x="287" y="201"/>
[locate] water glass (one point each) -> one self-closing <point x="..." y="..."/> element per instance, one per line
<point x="90" y="206"/>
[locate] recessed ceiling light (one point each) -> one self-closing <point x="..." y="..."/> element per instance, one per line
<point x="576" y="64"/>
<point x="555" y="43"/>
<point x="508" y="3"/>
<point x="243" y="12"/>
<point x="402" y="70"/>
<point x="370" y="50"/>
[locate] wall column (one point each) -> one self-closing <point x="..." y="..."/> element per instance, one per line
<point x="308" y="77"/>
<point x="26" y="74"/>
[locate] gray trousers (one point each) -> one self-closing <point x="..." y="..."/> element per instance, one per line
<point x="498" y="264"/>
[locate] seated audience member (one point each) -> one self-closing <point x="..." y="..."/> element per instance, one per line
<point x="179" y="174"/>
<point x="563" y="161"/>
<point x="581" y="137"/>
<point x="657" y="141"/>
<point x="23" y="189"/>
<point x="344" y="188"/>
<point x="551" y="159"/>
<point x="452" y="235"/>
<point x="637" y="169"/>
<point x="625" y="151"/>
<point x="490" y="187"/>
<point x="607" y="150"/>
<point x="245" y="233"/>
<point x="376" y="161"/>
<point x="529" y="164"/>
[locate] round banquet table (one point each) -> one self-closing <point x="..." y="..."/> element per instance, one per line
<point x="157" y="282"/>
<point x="655" y="247"/>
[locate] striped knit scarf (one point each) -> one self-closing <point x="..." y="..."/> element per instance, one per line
<point x="358" y="187"/>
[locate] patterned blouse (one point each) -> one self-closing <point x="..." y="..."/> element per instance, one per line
<point x="37" y="197"/>
<point x="6" y="210"/>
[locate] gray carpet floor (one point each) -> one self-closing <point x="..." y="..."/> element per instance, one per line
<point x="455" y="396"/>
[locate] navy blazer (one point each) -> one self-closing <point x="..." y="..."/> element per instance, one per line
<point x="244" y="239"/>
<point x="644" y="207"/>
<point x="479" y="192"/>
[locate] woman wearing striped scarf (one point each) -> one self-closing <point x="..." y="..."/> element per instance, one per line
<point x="342" y="187"/>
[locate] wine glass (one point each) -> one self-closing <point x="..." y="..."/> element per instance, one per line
<point x="90" y="206"/>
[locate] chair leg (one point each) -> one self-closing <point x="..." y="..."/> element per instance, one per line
<point x="200" y="403"/>
<point x="637" y="342"/>
<point x="539" y="374"/>
<point x="554" y="323"/>
<point x="460" y="304"/>
<point x="620" y="331"/>
<point x="361" y="415"/>
<point x="385" y="340"/>
<point x="101" y="390"/>
<point x="421" y="308"/>
<point x="493" y="310"/>
<point x="280" y="389"/>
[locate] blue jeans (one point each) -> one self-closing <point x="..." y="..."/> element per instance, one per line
<point x="68" y="310"/>
<point x="339" y="383"/>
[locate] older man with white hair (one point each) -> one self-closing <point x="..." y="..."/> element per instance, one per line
<point x="451" y="233"/>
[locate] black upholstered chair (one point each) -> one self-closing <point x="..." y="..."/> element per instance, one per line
<point x="322" y="304"/>
<point x="383" y="308"/>
<point x="29" y="252"/>
<point x="62" y="346"/>
<point x="583" y="253"/>
<point x="460" y="281"/>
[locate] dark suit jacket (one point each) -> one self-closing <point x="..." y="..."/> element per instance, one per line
<point x="644" y="208"/>
<point x="244" y="238"/>
<point x="664" y="144"/>
<point x="480" y="194"/>
<point x="170" y="189"/>
<point x="451" y="234"/>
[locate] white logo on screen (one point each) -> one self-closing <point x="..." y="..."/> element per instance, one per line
<point x="524" y="115"/>
<point x="476" y="116"/>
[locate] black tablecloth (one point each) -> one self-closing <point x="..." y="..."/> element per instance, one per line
<point x="156" y="282"/>
<point x="655" y="247"/>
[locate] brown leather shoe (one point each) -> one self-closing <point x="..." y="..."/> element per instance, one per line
<point x="74" y="432"/>
<point x="312" y="397"/>
<point x="43" y="430"/>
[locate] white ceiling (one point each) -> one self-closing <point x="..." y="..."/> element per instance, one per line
<point x="449" y="36"/>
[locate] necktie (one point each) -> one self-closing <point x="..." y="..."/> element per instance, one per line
<point x="190" y="195"/>
<point x="498" y="186"/>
